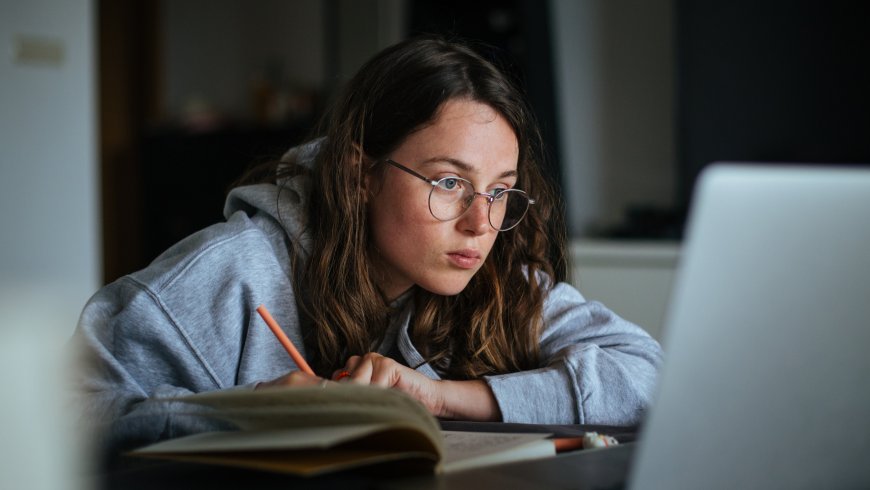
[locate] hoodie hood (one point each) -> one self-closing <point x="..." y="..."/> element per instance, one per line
<point x="283" y="203"/>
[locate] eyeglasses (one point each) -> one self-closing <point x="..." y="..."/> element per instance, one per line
<point x="451" y="197"/>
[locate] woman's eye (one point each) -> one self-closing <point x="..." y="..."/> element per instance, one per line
<point x="497" y="192"/>
<point x="450" y="184"/>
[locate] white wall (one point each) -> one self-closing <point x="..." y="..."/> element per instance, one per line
<point x="614" y="65"/>
<point x="49" y="231"/>
<point x="49" y="253"/>
<point x="634" y="279"/>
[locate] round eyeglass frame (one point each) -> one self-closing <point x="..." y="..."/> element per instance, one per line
<point x="490" y="198"/>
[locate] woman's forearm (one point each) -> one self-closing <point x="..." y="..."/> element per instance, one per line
<point x="468" y="400"/>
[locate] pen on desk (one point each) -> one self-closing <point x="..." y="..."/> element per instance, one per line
<point x="285" y="341"/>
<point x="564" y="444"/>
<point x="588" y="440"/>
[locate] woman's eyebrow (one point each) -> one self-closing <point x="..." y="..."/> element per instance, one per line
<point x="463" y="166"/>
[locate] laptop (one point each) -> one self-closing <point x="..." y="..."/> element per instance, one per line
<point x="766" y="381"/>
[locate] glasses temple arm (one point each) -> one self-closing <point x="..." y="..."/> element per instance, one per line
<point x="406" y="169"/>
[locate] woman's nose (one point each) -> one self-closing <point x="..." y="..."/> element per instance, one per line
<point x="476" y="218"/>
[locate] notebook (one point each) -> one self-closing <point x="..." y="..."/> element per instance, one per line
<point x="766" y="381"/>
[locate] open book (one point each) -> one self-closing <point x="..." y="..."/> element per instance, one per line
<point x="315" y="430"/>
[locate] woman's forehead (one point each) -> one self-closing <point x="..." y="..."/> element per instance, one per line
<point x="465" y="167"/>
<point x="467" y="135"/>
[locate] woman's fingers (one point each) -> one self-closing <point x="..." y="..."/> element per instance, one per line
<point x="386" y="372"/>
<point x="345" y="373"/>
<point x="377" y="370"/>
<point x="370" y="368"/>
<point x="360" y="369"/>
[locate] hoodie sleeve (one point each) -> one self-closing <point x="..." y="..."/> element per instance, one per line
<point x="596" y="368"/>
<point x="132" y="357"/>
<point x="184" y="325"/>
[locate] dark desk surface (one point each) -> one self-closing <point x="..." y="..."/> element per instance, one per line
<point x="587" y="469"/>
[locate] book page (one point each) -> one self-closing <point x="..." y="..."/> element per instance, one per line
<point x="354" y="424"/>
<point x="371" y="436"/>
<point x="314" y="450"/>
<point x="263" y="440"/>
<point x="464" y="450"/>
<point x="336" y="404"/>
<point x="303" y="451"/>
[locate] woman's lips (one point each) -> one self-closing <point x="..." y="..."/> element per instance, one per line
<point x="465" y="259"/>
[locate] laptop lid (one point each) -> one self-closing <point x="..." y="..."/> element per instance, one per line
<point x="766" y="381"/>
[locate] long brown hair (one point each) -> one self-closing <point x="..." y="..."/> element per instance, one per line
<point x="493" y="326"/>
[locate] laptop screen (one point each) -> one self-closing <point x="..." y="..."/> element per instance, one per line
<point x="766" y="382"/>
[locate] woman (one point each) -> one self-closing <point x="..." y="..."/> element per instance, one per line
<point x="415" y="245"/>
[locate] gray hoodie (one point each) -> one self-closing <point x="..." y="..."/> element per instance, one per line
<point x="187" y="323"/>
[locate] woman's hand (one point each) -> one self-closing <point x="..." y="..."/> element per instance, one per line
<point x="467" y="400"/>
<point x="377" y="370"/>
<point x="293" y="378"/>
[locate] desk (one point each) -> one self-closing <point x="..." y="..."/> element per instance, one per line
<point x="600" y="468"/>
<point x="588" y="469"/>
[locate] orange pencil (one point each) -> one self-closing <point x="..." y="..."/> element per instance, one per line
<point x="568" y="443"/>
<point x="288" y="345"/>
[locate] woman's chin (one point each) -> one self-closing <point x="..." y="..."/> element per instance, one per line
<point x="446" y="288"/>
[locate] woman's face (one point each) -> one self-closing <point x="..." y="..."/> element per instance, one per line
<point x="410" y="246"/>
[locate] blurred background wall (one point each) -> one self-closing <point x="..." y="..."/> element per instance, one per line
<point x="50" y="245"/>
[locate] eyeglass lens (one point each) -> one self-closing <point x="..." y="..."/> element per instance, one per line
<point x="452" y="196"/>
